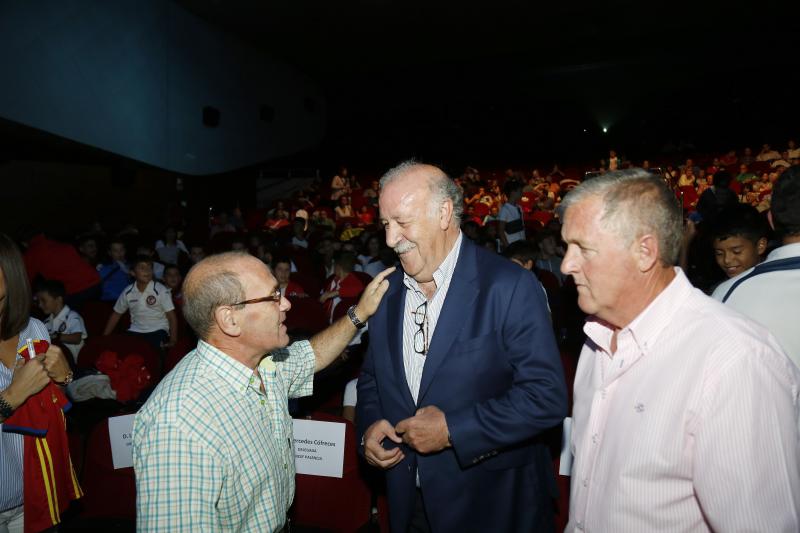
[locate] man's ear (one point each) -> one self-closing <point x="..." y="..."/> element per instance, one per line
<point x="646" y="252"/>
<point x="446" y="214"/>
<point x="761" y="246"/>
<point x="226" y="321"/>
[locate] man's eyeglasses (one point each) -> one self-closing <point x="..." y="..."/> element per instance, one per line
<point x="274" y="297"/>
<point x="421" y="335"/>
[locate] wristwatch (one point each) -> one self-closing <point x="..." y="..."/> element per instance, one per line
<point x="351" y="313"/>
<point x="5" y="408"/>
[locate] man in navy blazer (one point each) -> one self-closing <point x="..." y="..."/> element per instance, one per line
<point x="462" y="375"/>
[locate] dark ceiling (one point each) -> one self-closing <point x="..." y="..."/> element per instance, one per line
<point x="518" y="81"/>
<point x="511" y="80"/>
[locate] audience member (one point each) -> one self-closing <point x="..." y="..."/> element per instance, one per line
<point x="770" y="292"/>
<point x="87" y="247"/>
<point x="343" y="284"/>
<point x="115" y="274"/>
<point x="26" y="504"/>
<point x="739" y="239"/>
<point x="282" y="269"/>
<point x="170" y="247"/>
<point x="150" y="304"/>
<point x="173" y="280"/>
<point x="63" y="324"/>
<point x="511" y="227"/>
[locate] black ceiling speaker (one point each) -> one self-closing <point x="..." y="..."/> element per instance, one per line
<point x="210" y="116"/>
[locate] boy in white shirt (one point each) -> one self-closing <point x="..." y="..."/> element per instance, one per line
<point x="63" y="324"/>
<point x="150" y="304"/>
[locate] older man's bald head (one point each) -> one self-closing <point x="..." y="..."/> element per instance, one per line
<point x="213" y="282"/>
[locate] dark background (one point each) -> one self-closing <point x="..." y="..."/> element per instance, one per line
<point x="494" y="85"/>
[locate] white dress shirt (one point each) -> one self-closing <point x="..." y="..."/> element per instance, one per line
<point x="691" y="425"/>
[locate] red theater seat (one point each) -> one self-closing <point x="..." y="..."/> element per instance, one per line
<point x="334" y="504"/>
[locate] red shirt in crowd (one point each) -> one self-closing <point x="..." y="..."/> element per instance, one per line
<point x="59" y="261"/>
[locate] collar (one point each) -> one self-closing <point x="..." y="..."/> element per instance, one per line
<point x="648" y="324"/>
<point x="62" y="315"/>
<point x="150" y="286"/>
<point x="443" y="272"/>
<point x="226" y="367"/>
<point x="784" y="252"/>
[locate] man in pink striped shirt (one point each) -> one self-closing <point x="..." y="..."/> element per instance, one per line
<point x="686" y="412"/>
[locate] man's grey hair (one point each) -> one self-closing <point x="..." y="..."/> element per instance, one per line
<point x="635" y="203"/>
<point x="442" y="187"/>
<point x="218" y="284"/>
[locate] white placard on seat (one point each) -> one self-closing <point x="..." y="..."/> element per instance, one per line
<point x="318" y="447"/>
<point x="120" y="433"/>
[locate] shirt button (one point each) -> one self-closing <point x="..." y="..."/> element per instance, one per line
<point x="586" y="482"/>
<point x="595" y="438"/>
<point x="579" y="525"/>
<point x="603" y="394"/>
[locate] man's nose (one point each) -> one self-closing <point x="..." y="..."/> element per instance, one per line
<point x="392" y="235"/>
<point x="569" y="264"/>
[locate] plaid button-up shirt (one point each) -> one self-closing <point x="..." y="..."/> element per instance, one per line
<point x="211" y="451"/>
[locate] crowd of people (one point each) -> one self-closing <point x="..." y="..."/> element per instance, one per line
<point x="459" y="390"/>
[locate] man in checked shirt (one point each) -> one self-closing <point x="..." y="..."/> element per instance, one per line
<point x="212" y="447"/>
<point x="685" y="412"/>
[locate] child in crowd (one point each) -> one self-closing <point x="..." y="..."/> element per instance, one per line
<point x="739" y="239"/>
<point x="63" y="324"/>
<point x="114" y="275"/>
<point x="173" y="279"/>
<point x="343" y="284"/>
<point x="150" y="304"/>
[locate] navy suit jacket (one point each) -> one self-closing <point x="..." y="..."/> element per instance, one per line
<point x="494" y="369"/>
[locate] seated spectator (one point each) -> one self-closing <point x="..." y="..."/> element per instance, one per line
<point x="282" y="269"/>
<point x="170" y="247"/>
<point x="299" y="229"/>
<point x="365" y="216"/>
<point x="739" y="236"/>
<point x="63" y="324"/>
<point x="744" y="174"/>
<point x="222" y="224"/>
<point x="145" y="250"/>
<point x="549" y="254"/>
<point x="717" y="197"/>
<point x="794" y="151"/>
<point x="197" y="253"/>
<point x="279" y="211"/>
<point x="747" y="157"/>
<point x="371" y="194"/>
<point x="767" y="154"/>
<point x="371" y="250"/>
<point x="320" y="219"/>
<point x="782" y="161"/>
<point x="115" y="274"/>
<point x="150" y="304"/>
<point x="729" y="159"/>
<point x="687" y="178"/>
<point x="54" y="260"/>
<point x="511" y="227"/>
<point x="344" y="209"/>
<point x="343" y="284"/>
<point x="173" y="279"/>
<point x="87" y="247"/>
<point x="339" y="185"/>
